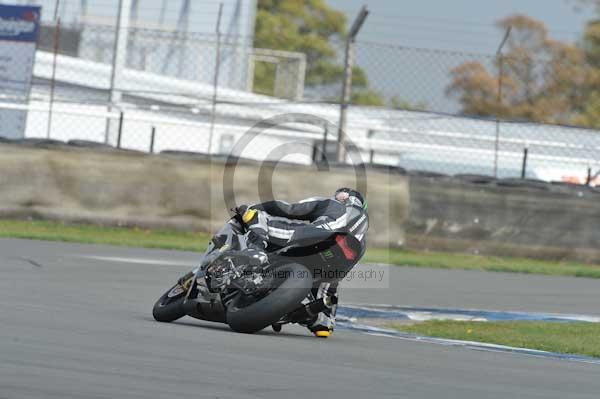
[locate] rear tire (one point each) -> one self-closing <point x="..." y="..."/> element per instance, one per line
<point x="281" y="301"/>
<point x="168" y="309"/>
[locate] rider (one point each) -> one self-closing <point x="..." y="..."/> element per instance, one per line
<point x="276" y="222"/>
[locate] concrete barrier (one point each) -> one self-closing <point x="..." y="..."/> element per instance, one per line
<point x="548" y="221"/>
<point x="162" y="191"/>
<point x="185" y="192"/>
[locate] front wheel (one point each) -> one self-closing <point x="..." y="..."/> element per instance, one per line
<point x="286" y="297"/>
<point x="169" y="307"/>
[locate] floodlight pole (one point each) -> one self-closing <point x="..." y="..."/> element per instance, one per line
<point x="53" y="80"/>
<point x="120" y="49"/>
<point x="163" y="11"/>
<point x="54" y="60"/>
<point x="347" y="79"/>
<point x="84" y="10"/>
<point x="500" y="57"/>
<point x="119" y="57"/>
<point x="213" y="112"/>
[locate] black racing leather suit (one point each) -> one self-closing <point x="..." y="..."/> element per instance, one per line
<point x="278" y="223"/>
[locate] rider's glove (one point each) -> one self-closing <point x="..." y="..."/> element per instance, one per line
<point x="255" y="242"/>
<point x="256" y="247"/>
<point x="240" y="210"/>
<point x="245" y="213"/>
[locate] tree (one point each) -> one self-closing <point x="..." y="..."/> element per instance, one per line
<point x="312" y="28"/>
<point x="543" y="80"/>
<point x="367" y="97"/>
<point x="590" y="115"/>
<point x="591" y="43"/>
<point x="398" y="103"/>
<point x="476" y="89"/>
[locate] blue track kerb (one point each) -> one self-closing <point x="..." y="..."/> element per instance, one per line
<point x="422" y="314"/>
<point x="349" y="318"/>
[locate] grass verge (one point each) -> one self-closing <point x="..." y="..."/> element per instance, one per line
<point x="446" y="260"/>
<point x="135" y="237"/>
<point x="91" y="234"/>
<point x="568" y="338"/>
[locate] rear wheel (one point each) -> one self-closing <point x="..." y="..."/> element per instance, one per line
<point x="286" y="297"/>
<point x="169" y="307"/>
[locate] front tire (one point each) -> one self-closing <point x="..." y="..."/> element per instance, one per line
<point x="281" y="301"/>
<point x="168" y="309"/>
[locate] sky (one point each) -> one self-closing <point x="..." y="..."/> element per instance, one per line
<point x="462" y="25"/>
<point x="463" y="29"/>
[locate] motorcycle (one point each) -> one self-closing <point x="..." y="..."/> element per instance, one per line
<point x="249" y="294"/>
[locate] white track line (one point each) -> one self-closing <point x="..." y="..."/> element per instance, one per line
<point x="139" y="261"/>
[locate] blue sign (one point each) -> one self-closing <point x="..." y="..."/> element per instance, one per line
<point x="19" y="23"/>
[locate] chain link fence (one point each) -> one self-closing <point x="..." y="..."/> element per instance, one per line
<point x="515" y="115"/>
<point x="408" y="106"/>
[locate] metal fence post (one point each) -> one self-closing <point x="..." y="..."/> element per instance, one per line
<point x="120" y="132"/>
<point x="588" y="179"/>
<point x="215" y="80"/>
<point x="53" y="80"/>
<point x="347" y="80"/>
<point x="152" y="137"/>
<point x="119" y="57"/>
<point x="370" y="134"/>
<point x="524" y="165"/>
<point x="325" y="132"/>
<point x="120" y="49"/>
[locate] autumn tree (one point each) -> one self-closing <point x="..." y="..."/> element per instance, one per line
<point x="590" y="115"/>
<point x="542" y="80"/>
<point x="312" y="28"/>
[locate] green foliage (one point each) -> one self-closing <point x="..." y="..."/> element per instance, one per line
<point x="363" y="96"/>
<point x="398" y="103"/>
<point x="445" y="260"/>
<point x="91" y="234"/>
<point x="359" y="78"/>
<point x="367" y="97"/>
<point x="591" y="43"/>
<point x="265" y="84"/>
<point x="312" y="28"/>
<point x="544" y="80"/>
<point x="302" y="26"/>
<point x="591" y="113"/>
<point x="134" y="237"/>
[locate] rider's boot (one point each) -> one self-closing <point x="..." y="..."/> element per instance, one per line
<point x="323" y="324"/>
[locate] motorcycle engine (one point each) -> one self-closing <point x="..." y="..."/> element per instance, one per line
<point x="225" y="274"/>
<point x="221" y="273"/>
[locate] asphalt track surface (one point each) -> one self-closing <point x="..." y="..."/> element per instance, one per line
<point x="72" y="326"/>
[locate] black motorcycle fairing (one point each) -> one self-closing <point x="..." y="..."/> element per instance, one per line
<point x="323" y="255"/>
<point x="335" y="255"/>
